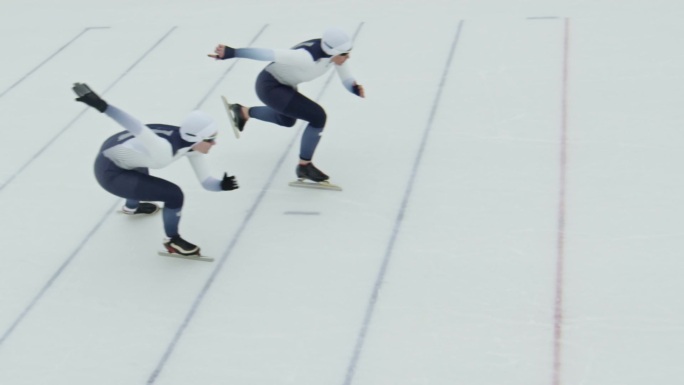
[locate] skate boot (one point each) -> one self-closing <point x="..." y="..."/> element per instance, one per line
<point x="145" y="208"/>
<point x="310" y="172"/>
<point x="178" y="245"/>
<point x="237" y="120"/>
<point x="236" y="115"/>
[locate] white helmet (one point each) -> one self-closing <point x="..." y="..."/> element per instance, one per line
<point x="335" y="41"/>
<point x="197" y="126"/>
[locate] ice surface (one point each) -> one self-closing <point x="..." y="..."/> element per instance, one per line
<point x="511" y="211"/>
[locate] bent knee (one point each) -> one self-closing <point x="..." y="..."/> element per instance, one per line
<point x="174" y="198"/>
<point x="288" y="122"/>
<point x="319" y="118"/>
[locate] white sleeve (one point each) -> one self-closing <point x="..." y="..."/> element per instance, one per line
<point x="294" y="57"/>
<point x="344" y="73"/>
<point x="199" y="164"/>
<point x="147" y="137"/>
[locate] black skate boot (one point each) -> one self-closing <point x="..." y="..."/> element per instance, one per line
<point x="310" y="172"/>
<point x="236" y="114"/>
<point x="237" y="120"/>
<point x="144" y="208"/>
<point x="178" y="245"/>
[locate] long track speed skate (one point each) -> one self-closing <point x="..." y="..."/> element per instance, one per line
<point x="193" y="257"/>
<point x="178" y="247"/>
<point x="325" y="185"/>
<point x="234" y="112"/>
<point x="308" y="176"/>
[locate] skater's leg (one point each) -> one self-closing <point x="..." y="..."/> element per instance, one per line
<point x="134" y="185"/>
<point x="310" y="138"/>
<point x="133" y="204"/>
<point x="306" y="109"/>
<point x="157" y="189"/>
<point x="268" y="114"/>
<point x="284" y="101"/>
<point x="171" y="221"/>
<point x="284" y="105"/>
<point x="276" y="97"/>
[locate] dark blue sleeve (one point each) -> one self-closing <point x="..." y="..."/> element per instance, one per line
<point x="313" y="46"/>
<point x="170" y="133"/>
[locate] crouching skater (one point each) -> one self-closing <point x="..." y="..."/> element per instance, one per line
<point x="123" y="163"/>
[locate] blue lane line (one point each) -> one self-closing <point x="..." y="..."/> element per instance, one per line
<point x="370" y="308"/>
<point x="245" y="222"/>
<point x="71" y="123"/>
<point x="48" y="59"/>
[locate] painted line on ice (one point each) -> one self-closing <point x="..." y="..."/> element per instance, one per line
<point x="562" y="189"/>
<point x="102" y="220"/>
<point x="245" y="222"/>
<point x="48" y="59"/>
<point x="221" y="261"/>
<point x="71" y="257"/>
<point x="302" y="213"/>
<point x="235" y="239"/>
<point x="56" y="275"/>
<point x="71" y="123"/>
<point x="370" y="307"/>
<point x="94" y="230"/>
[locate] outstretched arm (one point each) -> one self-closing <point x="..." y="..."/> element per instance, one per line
<point x="296" y="57"/>
<point x="222" y="52"/>
<point x="89" y="97"/>
<point x="124" y="119"/>
<point x="150" y="140"/>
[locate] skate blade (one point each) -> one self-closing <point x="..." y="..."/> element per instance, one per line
<point x="190" y="257"/>
<point x="137" y="215"/>
<point x="230" y="116"/>
<point x="325" y="185"/>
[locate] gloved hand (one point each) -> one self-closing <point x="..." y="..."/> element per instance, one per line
<point x="228" y="183"/>
<point x="358" y="90"/>
<point x="223" y="52"/>
<point x="87" y="96"/>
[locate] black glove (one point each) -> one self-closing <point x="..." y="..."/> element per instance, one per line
<point x="228" y="53"/>
<point x="357" y="89"/>
<point x="87" y="96"/>
<point x="228" y="183"/>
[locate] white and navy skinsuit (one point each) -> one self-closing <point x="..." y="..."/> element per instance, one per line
<point x="123" y="163"/>
<point x="276" y="87"/>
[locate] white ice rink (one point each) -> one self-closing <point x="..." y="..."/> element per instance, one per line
<point x="511" y="212"/>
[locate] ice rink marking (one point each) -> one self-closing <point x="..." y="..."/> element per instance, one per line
<point x="56" y="274"/>
<point x="48" y="59"/>
<point x="370" y="307"/>
<point x="235" y="239"/>
<point x="560" y="243"/>
<point x="75" y="119"/>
